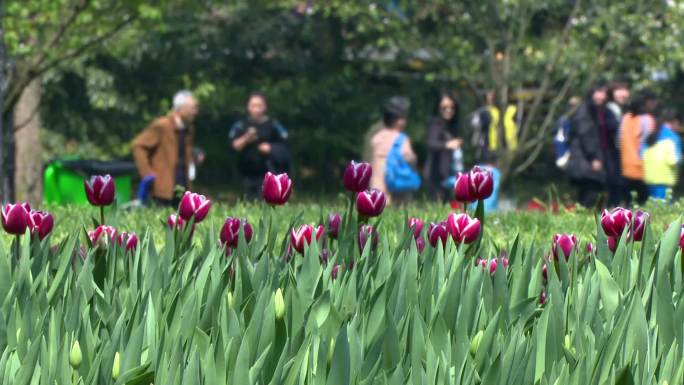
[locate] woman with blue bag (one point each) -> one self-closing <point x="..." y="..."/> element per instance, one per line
<point x="393" y="159"/>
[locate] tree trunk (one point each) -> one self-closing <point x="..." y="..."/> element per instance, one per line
<point x="29" y="164"/>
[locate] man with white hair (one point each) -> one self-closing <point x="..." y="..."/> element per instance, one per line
<point x="163" y="151"/>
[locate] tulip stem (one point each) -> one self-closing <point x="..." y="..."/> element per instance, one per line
<point x="102" y="221"/>
<point x="17" y="246"/>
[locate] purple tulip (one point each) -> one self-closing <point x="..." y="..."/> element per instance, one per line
<point x="367" y="232"/>
<point x="103" y="235"/>
<point x="195" y="206"/>
<point x="681" y="239"/>
<point x="542" y="298"/>
<point x="325" y="256"/>
<point x="40" y="223"/>
<point x="481" y="183"/>
<point x="100" y="190"/>
<point x="231" y="229"/>
<point x="462" y="188"/>
<point x="563" y="243"/>
<point x="416" y="225"/>
<point x="615" y="221"/>
<point x="370" y="203"/>
<point x="357" y="176"/>
<point x="437" y="232"/>
<point x="301" y="237"/>
<point x="276" y="189"/>
<point x="639" y="224"/>
<point x="128" y="240"/>
<point x="463" y="229"/>
<point x="15" y="218"/>
<point x="334" y="221"/>
<point x="545" y="274"/>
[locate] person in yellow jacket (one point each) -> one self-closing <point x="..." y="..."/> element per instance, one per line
<point x="662" y="154"/>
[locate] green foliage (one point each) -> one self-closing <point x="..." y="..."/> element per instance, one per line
<point x="166" y="314"/>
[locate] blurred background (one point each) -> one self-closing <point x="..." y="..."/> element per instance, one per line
<point x="80" y="78"/>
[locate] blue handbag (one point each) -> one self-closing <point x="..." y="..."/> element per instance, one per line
<point x="399" y="175"/>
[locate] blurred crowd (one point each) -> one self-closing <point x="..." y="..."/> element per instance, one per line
<point x="614" y="147"/>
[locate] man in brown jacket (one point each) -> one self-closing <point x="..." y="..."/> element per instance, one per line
<point x="163" y="150"/>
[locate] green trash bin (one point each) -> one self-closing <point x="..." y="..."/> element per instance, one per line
<point x="63" y="179"/>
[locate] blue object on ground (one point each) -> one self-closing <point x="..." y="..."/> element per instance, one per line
<point x="145" y="188"/>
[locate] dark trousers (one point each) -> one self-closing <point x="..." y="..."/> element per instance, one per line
<point x="165" y="202"/>
<point x="251" y="187"/>
<point x="636" y="188"/>
<point x="588" y="191"/>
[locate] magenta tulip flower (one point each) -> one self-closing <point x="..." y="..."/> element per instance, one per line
<point x="334" y="221"/>
<point x="276" y="189"/>
<point x="334" y="272"/>
<point x="481" y="183"/>
<point x="195" y="206"/>
<point x="100" y="190"/>
<point x="563" y="243"/>
<point x="615" y="221"/>
<point x="357" y="176"/>
<point x="463" y="229"/>
<point x="681" y="239"/>
<point x="613" y="242"/>
<point x="462" y="188"/>
<point x="542" y="298"/>
<point x="231" y="229"/>
<point x="319" y="231"/>
<point x="370" y="203"/>
<point x="128" y="240"/>
<point x="103" y="235"/>
<point x="416" y="225"/>
<point x="174" y="222"/>
<point x="437" y="232"/>
<point x="639" y="224"/>
<point x="545" y="274"/>
<point x="15" y="218"/>
<point x="301" y="237"/>
<point x="367" y="232"/>
<point x="40" y="224"/>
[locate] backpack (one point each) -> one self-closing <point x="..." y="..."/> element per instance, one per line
<point x="399" y="175"/>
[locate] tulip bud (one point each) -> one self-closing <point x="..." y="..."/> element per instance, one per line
<point x="367" y="232"/>
<point x="420" y="245"/>
<point x="563" y="243"/>
<point x="231" y="229"/>
<point x="100" y="190"/>
<point x="15" y="218"/>
<point x="116" y="366"/>
<point x="475" y="343"/>
<point x="229" y="300"/>
<point x="334" y="271"/>
<point x="75" y="355"/>
<point x="416" y="225"/>
<point x="357" y="176"/>
<point x="195" y="206"/>
<point x="40" y="223"/>
<point x="370" y="203"/>
<point x="102" y="236"/>
<point x="301" y="237"/>
<point x="639" y="224"/>
<point x="334" y="221"/>
<point x="319" y="230"/>
<point x="462" y="188"/>
<point x="481" y="183"/>
<point x="615" y="221"/>
<point x="463" y="229"/>
<point x="542" y="298"/>
<point x="279" y="304"/>
<point x="437" y="232"/>
<point x="276" y="189"/>
<point x="129" y="241"/>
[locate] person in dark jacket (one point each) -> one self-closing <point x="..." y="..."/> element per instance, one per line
<point x="261" y="143"/>
<point x="594" y="160"/>
<point x="443" y="140"/>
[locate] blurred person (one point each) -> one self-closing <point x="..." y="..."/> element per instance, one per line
<point x="662" y="154"/>
<point x="400" y="103"/>
<point x="619" y="95"/>
<point x="444" y="142"/>
<point x="163" y="151"/>
<point x="561" y="144"/>
<point x="394" y="118"/>
<point x="637" y="124"/>
<point x="593" y="163"/>
<point x="261" y="144"/>
<point x="485" y="122"/>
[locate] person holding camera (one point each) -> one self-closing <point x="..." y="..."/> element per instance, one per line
<point x="260" y="142"/>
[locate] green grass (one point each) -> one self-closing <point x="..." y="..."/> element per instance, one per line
<point x="179" y="313"/>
